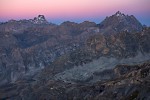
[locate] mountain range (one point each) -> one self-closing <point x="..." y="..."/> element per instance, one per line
<point x="75" y="61"/>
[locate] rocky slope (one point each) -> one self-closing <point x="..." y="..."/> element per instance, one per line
<point x="35" y="53"/>
<point x="127" y="83"/>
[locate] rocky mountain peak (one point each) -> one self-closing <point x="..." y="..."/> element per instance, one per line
<point x="40" y="20"/>
<point x="120" y="22"/>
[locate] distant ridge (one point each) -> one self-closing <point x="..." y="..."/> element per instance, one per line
<point x="113" y="24"/>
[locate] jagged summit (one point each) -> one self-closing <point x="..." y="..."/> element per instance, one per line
<point x="40" y="20"/>
<point x="118" y="13"/>
<point x="120" y="22"/>
<point x="40" y="17"/>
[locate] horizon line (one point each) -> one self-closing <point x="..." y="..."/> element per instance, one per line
<point x="59" y="21"/>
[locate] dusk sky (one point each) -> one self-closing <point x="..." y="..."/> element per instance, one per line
<point x="57" y="11"/>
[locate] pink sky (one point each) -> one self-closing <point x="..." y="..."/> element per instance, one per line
<point x="73" y="9"/>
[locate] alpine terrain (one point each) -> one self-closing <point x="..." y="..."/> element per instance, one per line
<point x="75" y="61"/>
